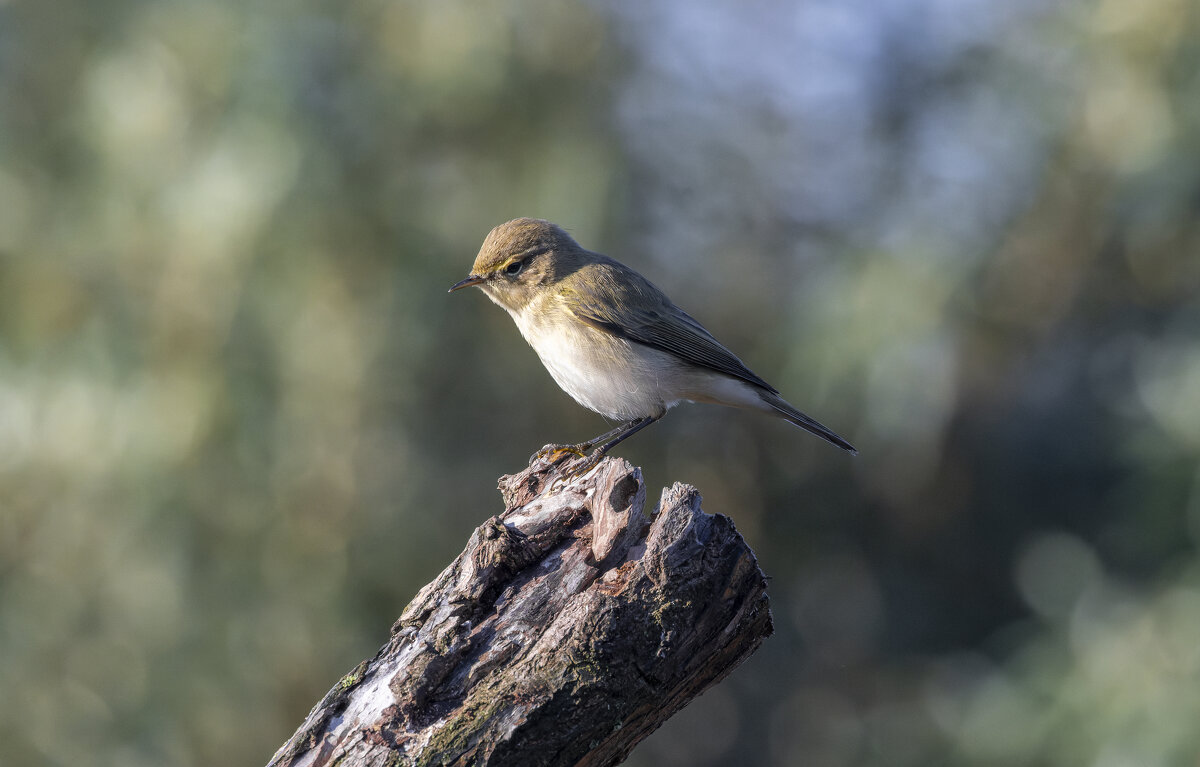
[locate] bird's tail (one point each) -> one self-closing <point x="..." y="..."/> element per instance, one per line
<point x="792" y="415"/>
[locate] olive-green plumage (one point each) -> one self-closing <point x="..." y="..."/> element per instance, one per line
<point x="609" y="338"/>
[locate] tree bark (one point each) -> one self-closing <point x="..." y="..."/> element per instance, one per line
<point x="568" y="630"/>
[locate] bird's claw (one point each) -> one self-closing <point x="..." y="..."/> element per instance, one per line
<point x="553" y="454"/>
<point x="580" y="462"/>
<point x="584" y="465"/>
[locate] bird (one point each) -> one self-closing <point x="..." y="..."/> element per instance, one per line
<point x="612" y="340"/>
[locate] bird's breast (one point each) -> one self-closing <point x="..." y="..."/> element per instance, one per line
<point x="600" y="371"/>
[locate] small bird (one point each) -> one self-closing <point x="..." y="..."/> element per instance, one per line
<point x="610" y="339"/>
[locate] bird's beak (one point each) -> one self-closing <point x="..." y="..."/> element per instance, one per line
<point x="472" y="279"/>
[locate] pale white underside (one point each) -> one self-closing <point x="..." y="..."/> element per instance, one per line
<point x="620" y="379"/>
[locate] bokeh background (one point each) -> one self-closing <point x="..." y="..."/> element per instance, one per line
<point x="241" y="422"/>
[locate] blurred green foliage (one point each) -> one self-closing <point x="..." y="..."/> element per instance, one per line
<point x="241" y="422"/>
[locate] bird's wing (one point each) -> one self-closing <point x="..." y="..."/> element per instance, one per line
<point x="633" y="309"/>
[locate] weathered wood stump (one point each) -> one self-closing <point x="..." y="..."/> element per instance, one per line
<point x="568" y="630"/>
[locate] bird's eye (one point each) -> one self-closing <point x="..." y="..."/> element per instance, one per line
<point x="513" y="269"/>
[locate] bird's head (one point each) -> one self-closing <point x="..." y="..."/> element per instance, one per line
<point x="521" y="259"/>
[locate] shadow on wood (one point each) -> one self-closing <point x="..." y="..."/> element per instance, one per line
<point x="569" y="629"/>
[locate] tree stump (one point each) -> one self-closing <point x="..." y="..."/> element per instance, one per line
<point x="568" y="630"/>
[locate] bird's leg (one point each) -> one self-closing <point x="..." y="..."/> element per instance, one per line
<point x="610" y="440"/>
<point x="622" y="433"/>
<point x="554" y="452"/>
<point x="603" y="443"/>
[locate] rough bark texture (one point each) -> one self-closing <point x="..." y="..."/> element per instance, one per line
<point x="568" y="630"/>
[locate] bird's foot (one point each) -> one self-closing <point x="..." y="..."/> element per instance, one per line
<point x="573" y="460"/>
<point x="585" y="464"/>
<point x="553" y="454"/>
